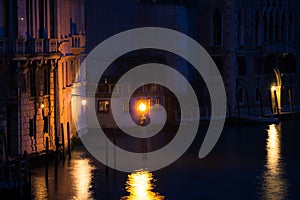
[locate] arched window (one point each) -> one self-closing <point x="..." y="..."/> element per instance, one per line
<point x="240" y="29"/>
<point x="242" y="66"/>
<point x="283" y="28"/>
<point x="290" y="32"/>
<point x="289" y="64"/>
<point x="266" y="29"/>
<point x="271" y="29"/>
<point x="257" y="28"/>
<point x="277" y="27"/>
<point x="257" y="95"/>
<point x="217" y="27"/>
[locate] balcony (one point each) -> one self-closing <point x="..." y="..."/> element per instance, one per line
<point x="52" y="45"/>
<point x="39" y="46"/>
<point x="279" y="47"/>
<point x="20" y="46"/>
<point x="3" y="46"/>
<point x="77" y="43"/>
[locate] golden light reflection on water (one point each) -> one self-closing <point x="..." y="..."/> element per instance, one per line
<point x="139" y="185"/>
<point x="82" y="176"/>
<point x="40" y="188"/>
<point x="274" y="183"/>
<point x="74" y="180"/>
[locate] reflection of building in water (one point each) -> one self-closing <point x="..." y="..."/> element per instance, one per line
<point x="139" y="185"/>
<point x="274" y="183"/>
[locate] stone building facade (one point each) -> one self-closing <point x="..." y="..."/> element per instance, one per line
<point x="248" y="40"/>
<point x="42" y="44"/>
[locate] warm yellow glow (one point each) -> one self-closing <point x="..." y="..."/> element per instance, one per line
<point x="42" y="106"/>
<point x="81" y="178"/>
<point x="273" y="150"/>
<point x="83" y="102"/>
<point x="142" y="107"/>
<point x="273" y="88"/>
<point x="140" y="185"/>
<point x="38" y="186"/>
<point x="278" y="97"/>
<point x="273" y="178"/>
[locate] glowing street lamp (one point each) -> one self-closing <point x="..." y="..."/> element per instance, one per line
<point x="142" y="108"/>
<point x="276" y="98"/>
<point x="83" y="102"/>
<point x="273" y="88"/>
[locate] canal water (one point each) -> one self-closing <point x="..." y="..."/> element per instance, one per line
<point x="248" y="162"/>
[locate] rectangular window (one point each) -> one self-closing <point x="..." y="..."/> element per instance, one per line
<point x="46" y="81"/>
<point x="217" y="28"/>
<point x="218" y="60"/>
<point x="242" y="66"/>
<point x="52" y="19"/>
<point x="258" y="69"/>
<point x="32" y="127"/>
<point x="125" y="105"/>
<point x="149" y="101"/>
<point x="103" y="106"/>
<point x="32" y="83"/>
<point x="46" y="124"/>
<point x="157" y="101"/>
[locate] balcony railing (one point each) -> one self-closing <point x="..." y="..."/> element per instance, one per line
<point x="3" y="46"/>
<point x="279" y="47"/>
<point x="78" y="41"/>
<point x="37" y="46"/>
<point x="53" y="45"/>
<point x="20" y="46"/>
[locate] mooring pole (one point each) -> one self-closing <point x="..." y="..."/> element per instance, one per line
<point x="47" y="160"/>
<point x="238" y="106"/>
<point x="56" y="156"/>
<point x="115" y="154"/>
<point x="270" y="101"/>
<point x="261" y="104"/>
<point x="291" y="102"/>
<point x="248" y="104"/>
<point x="69" y="140"/>
<point x="276" y="103"/>
<point x="63" y="140"/>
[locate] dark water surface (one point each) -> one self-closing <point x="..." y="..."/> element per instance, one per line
<point x="248" y="162"/>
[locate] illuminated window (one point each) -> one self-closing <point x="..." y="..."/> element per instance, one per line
<point x="125" y="105"/>
<point x="149" y="101"/>
<point x="157" y="101"/>
<point x="103" y="106"/>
